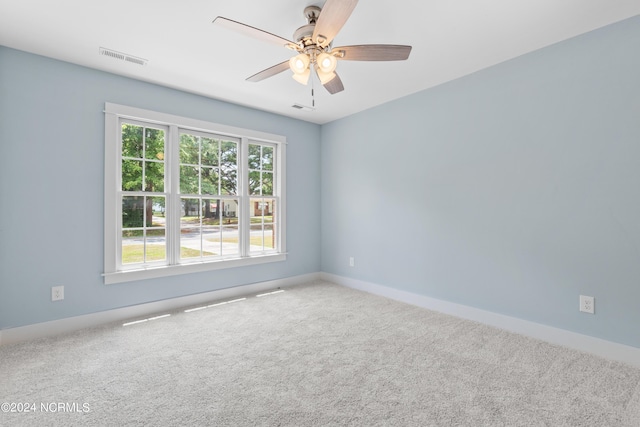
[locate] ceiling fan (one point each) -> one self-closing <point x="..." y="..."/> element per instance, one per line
<point x="313" y="42"/>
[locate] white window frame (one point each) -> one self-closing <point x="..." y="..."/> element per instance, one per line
<point x="114" y="272"/>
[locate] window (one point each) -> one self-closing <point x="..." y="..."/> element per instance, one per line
<point x="142" y="194"/>
<point x="209" y="203"/>
<point x="184" y="195"/>
<point x="262" y="204"/>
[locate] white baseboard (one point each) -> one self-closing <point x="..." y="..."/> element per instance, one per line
<point x="70" y="324"/>
<point x="607" y="349"/>
<point x="603" y="348"/>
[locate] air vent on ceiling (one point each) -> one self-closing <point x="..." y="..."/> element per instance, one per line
<point x="302" y="107"/>
<point x="122" y="56"/>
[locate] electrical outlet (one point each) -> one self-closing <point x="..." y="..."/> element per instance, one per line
<point x="587" y="304"/>
<point x="57" y="293"/>
<point x="352" y="262"/>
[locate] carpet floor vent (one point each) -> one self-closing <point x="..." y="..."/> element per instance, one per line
<point x="122" y="56"/>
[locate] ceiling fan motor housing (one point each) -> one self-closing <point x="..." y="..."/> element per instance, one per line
<point x="304" y="34"/>
<point x="312" y="13"/>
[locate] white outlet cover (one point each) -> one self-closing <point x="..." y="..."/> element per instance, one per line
<point x="587" y="304"/>
<point x="57" y="293"/>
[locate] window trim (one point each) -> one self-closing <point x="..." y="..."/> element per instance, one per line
<point x="113" y="113"/>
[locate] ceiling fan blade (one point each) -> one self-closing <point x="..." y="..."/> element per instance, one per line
<point x="334" y="85"/>
<point x="250" y="31"/>
<point x="269" y="72"/>
<point x="372" y="52"/>
<point x="333" y="16"/>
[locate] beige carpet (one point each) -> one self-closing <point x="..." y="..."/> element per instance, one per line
<point x="314" y="355"/>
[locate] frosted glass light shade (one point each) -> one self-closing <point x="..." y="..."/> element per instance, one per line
<point x="299" y="63"/>
<point x="302" y="78"/>
<point x="325" y="77"/>
<point x="327" y="63"/>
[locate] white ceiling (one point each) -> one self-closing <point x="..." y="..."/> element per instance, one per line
<point x="450" y="38"/>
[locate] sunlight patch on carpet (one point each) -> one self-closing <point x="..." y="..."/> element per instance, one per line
<point x="135" y="322"/>
<point x="214" y="305"/>
<point x="270" y="293"/>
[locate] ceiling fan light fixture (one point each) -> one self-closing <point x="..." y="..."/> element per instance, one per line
<point x="302" y="78"/>
<point x="325" y="77"/>
<point x="327" y="63"/>
<point x="299" y="63"/>
<point x="313" y="44"/>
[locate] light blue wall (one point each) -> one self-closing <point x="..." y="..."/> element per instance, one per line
<point x="514" y="190"/>
<point x="51" y="189"/>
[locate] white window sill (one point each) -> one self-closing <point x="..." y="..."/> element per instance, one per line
<point x="173" y="270"/>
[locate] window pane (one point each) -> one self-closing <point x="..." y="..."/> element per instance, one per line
<point x="269" y="209"/>
<point x="190" y="215"/>
<point x="213" y="240"/>
<point x="190" y="229"/>
<point x="209" y="152"/>
<point x="261" y="210"/>
<point x="228" y="168"/>
<point x="228" y="151"/>
<point x="189" y="180"/>
<point x="190" y="243"/>
<point x="210" y="212"/>
<point x="132" y="247"/>
<point x="256" y="240"/>
<point x="230" y="241"/>
<point x="210" y="241"/>
<point x="131" y="141"/>
<point x="262" y="238"/>
<point x="132" y="211"/>
<point x="154" y="177"/>
<point x="267" y="183"/>
<point x="254" y="156"/>
<point x="263" y="230"/>
<point x="143" y="234"/>
<point x="189" y="149"/>
<point x="229" y="212"/>
<point x="270" y="237"/>
<point x="209" y="180"/>
<point x="267" y="158"/>
<point x="156" y="247"/>
<point x="157" y="211"/>
<point x="254" y="183"/>
<point x="228" y="182"/>
<point x="190" y="223"/>
<point x="131" y="175"/>
<point x="154" y="141"/>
